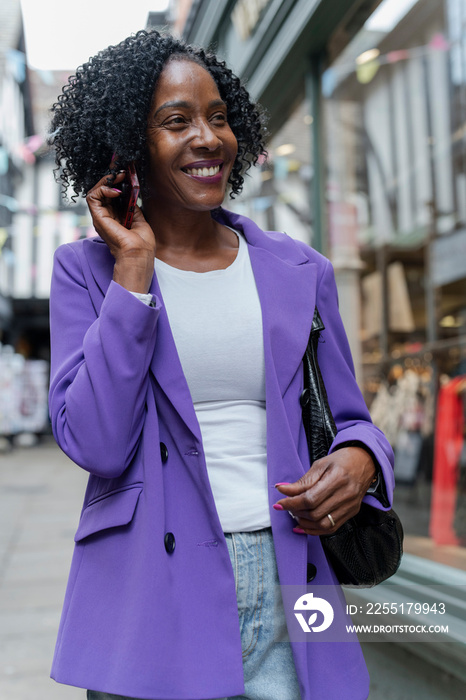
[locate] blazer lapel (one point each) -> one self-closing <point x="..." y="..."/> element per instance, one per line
<point x="286" y="283"/>
<point x="167" y="370"/>
<point x="287" y="296"/>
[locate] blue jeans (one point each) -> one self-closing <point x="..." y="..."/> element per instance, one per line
<point x="269" y="671"/>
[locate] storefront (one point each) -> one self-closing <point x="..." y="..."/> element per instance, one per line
<point x="366" y="108"/>
<point x="394" y="115"/>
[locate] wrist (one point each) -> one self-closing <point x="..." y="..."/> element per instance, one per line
<point x="135" y="275"/>
<point x="374" y="464"/>
<point x="377" y="487"/>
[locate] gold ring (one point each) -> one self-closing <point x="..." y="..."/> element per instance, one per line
<point x="331" y="520"/>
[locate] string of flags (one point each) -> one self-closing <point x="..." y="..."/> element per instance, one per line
<point x="366" y="70"/>
<point x="25" y="150"/>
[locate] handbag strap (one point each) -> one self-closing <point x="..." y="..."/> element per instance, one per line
<point x="319" y="425"/>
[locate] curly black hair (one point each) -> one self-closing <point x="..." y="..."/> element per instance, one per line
<point x="104" y="110"/>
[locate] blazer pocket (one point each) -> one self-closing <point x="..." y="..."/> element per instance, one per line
<point x="109" y="510"/>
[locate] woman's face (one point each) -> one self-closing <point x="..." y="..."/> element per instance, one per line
<point x="191" y="146"/>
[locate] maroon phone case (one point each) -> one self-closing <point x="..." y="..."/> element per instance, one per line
<point x="133" y="185"/>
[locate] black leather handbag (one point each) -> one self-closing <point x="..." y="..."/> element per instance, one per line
<point x="367" y="549"/>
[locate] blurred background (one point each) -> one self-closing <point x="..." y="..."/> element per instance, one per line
<point x="366" y="115"/>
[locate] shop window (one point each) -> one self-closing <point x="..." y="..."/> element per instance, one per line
<point x="394" y="108"/>
<point x="276" y="194"/>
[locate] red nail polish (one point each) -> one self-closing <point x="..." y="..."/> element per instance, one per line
<point x="282" y="483"/>
<point x="278" y="506"/>
<point x="299" y="530"/>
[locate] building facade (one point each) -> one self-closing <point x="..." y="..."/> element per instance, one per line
<point x="33" y="222"/>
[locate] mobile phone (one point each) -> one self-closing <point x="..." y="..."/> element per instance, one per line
<point x="129" y="196"/>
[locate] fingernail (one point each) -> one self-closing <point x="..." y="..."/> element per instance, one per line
<point x="299" y="530"/>
<point x="116" y="190"/>
<point x="282" y="483"/>
<point x="278" y="506"/>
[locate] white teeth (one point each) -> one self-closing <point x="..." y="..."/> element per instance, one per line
<point x="203" y="172"/>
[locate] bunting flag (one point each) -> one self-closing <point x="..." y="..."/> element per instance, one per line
<point x="9" y="202"/>
<point x="365" y="72"/>
<point x="3" y="161"/>
<point x="46" y="76"/>
<point x="3" y="237"/>
<point x="395" y="56"/>
<point x="16" y="64"/>
<point x="261" y="203"/>
<point x="27" y="149"/>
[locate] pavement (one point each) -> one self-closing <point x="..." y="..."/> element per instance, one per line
<point x="41" y="493"/>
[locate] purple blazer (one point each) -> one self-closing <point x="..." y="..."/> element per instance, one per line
<point x="149" y="614"/>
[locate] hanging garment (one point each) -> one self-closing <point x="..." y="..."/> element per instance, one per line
<point x="448" y="444"/>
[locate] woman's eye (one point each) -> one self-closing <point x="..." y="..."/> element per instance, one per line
<point x="220" y="117"/>
<point x="175" y="121"/>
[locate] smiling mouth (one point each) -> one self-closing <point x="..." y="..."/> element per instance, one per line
<point x="203" y="172"/>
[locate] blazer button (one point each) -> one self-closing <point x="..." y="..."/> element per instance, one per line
<point x="311" y="572"/>
<point x="169" y="542"/>
<point x="304" y="398"/>
<point x="163" y="452"/>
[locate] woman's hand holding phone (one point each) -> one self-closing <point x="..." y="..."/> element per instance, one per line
<point x="134" y="248"/>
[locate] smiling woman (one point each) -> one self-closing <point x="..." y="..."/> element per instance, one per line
<point x="191" y="146"/>
<point x="106" y="106"/>
<point x="176" y="380"/>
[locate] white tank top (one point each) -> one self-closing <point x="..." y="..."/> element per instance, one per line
<point x="216" y="321"/>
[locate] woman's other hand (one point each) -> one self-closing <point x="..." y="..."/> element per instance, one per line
<point x="133" y="249"/>
<point x="334" y="486"/>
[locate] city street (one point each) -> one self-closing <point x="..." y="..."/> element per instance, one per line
<point x="293" y="161"/>
<point x="40" y="500"/>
